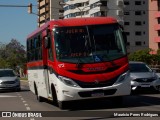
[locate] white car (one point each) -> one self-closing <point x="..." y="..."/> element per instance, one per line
<point x="142" y="76"/>
<point x="9" y="80"/>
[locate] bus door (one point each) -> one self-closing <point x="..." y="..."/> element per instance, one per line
<point x="47" y="54"/>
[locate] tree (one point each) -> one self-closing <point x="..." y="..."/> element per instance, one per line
<point x="13" y="55"/>
<point x="141" y="55"/>
<point x="145" y="56"/>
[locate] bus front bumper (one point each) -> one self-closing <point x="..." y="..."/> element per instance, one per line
<point x="66" y="93"/>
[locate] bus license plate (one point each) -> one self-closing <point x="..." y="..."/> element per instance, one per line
<point x="97" y="94"/>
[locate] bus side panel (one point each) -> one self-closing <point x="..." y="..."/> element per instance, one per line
<point x="53" y="80"/>
<point x="31" y="81"/>
<point x="37" y="77"/>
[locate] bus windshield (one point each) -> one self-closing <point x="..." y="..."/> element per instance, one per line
<point x="89" y="44"/>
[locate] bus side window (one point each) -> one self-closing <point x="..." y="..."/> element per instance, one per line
<point x="36" y="47"/>
<point x="28" y="50"/>
<point x="32" y="50"/>
<point x="50" y="49"/>
<point x="39" y="47"/>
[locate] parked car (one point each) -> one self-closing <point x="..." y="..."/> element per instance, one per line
<point x="142" y="76"/>
<point x="9" y="80"/>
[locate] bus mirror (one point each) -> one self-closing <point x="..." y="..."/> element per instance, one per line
<point x="47" y="42"/>
<point x="124" y="37"/>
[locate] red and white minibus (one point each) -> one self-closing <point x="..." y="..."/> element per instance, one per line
<point x="78" y="58"/>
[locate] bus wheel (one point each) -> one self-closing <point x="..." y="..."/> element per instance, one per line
<point x="55" y="101"/>
<point x="61" y="105"/>
<point x="158" y="89"/>
<point x="39" y="98"/>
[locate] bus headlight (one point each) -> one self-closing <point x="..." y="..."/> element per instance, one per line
<point x="68" y="81"/>
<point x="122" y="77"/>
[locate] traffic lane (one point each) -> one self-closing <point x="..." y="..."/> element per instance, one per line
<point x="11" y="101"/>
<point x="145" y="101"/>
<point x="31" y="99"/>
<point x="142" y="100"/>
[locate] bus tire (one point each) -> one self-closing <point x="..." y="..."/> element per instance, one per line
<point x="39" y="98"/>
<point x="158" y="89"/>
<point x="55" y="101"/>
<point x="61" y="105"/>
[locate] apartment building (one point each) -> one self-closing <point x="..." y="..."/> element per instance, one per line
<point x="47" y="10"/>
<point x="142" y="24"/>
<point x="136" y="25"/>
<point x="154" y="25"/>
<point x="93" y="8"/>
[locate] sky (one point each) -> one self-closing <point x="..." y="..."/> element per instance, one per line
<point x="16" y="23"/>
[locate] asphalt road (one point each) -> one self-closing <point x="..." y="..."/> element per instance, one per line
<point x="24" y="102"/>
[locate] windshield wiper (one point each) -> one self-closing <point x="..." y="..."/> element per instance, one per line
<point x="79" y="63"/>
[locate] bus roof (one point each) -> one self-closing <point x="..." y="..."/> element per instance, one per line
<point x="76" y="22"/>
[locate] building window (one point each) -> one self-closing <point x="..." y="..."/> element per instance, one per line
<point x="103" y="13"/>
<point x="158" y="32"/>
<point x="96" y="4"/>
<point x="100" y="13"/>
<point x="128" y="43"/>
<point x="126" y="2"/>
<point x="138" y="13"/>
<point x="138" y="43"/>
<point x="144" y="32"/>
<point x="127" y="33"/>
<point x="158" y="20"/>
<point x="138" y="23"/>
<point x="126" y="13"/>
<point x="104" y="3"/>
<point x="126" y="23"/>
<point x="138" y="33"/>
<point x="138" y="3"/>
<point x="144" y="12"/>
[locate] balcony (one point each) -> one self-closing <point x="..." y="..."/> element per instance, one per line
<point x="157" y="14"/>
<point x="157" y="39"/>
<point x="157" y="27"/>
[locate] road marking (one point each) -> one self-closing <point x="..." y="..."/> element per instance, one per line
<point x="26" y="104"/>
<point x="32" y="119"/>
<point x="28" y="108"/>
<point x="23" y="101"/>
<point x="7" y="96"/>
